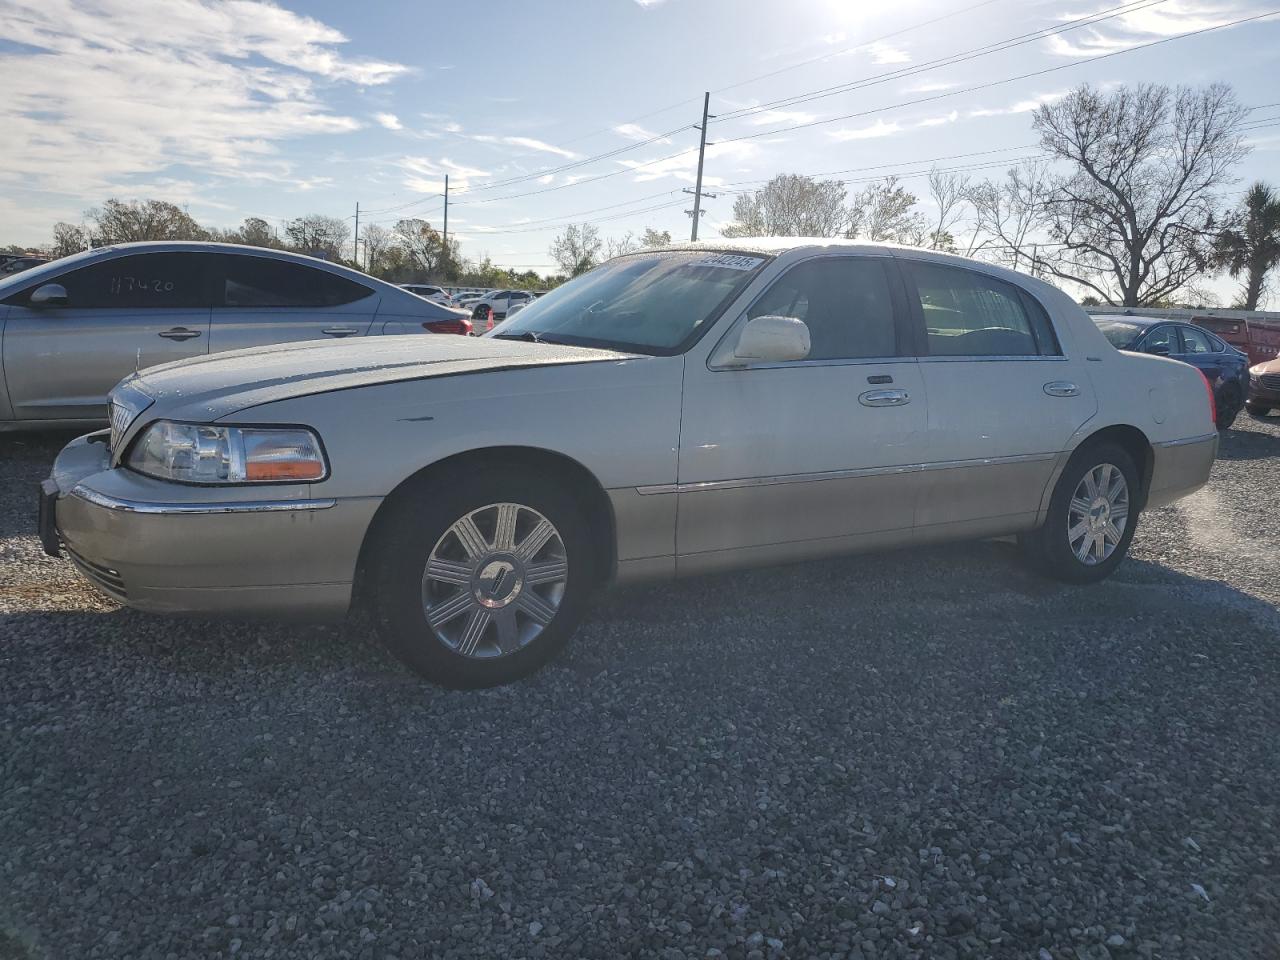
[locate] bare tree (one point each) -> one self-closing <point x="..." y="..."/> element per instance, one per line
<point x="616" y="247"/>
<point x="120" y="221"/>
<point x="1136" y="213"/>
<point x="1009" y="216"/>
<point x="885" y="211"/>
<point x="424" y="247"/>
<point x="1250" y="244"/>
<point x="319" y="235"/>
<point x="577" y="248"/>
<point x="790" y="205"/>
<point x="950" y="194"/>
<point x="67" y="239"/>
<point x="377" y="240"/>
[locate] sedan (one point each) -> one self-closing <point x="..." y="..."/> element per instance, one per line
<point x="1225" y="367"/>
<point x="1264" y="388"/>
<point x="70" y="330"/>
<point x="672" y="412"/>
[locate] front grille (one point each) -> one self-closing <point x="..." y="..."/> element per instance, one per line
<point x="120" y="417"/>
<point x="104" y="578"/>
<point x="1270" y="380"/>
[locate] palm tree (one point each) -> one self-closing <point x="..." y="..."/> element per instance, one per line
<point x="1251" y="244"/>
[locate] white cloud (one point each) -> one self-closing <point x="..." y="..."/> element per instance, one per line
<point x="882" y="52"/>
<point x="633" y="131"/>
<point x="1144" y="25"/>
<point x="389" y="120"/>
<point x="646" y="4"/>
<point x="549" y="178"/>
<point x="426" y="175"/>
<point x="684" y="166"/>
<point x="530" y="143"/>
<point x="946" y="118"/>
<point x="1020" y="106"/>
<point x="101" y="93"/>
<point x="767" y="117"/>
<point x="930" y="86"/>
<point x="877" y="129"/>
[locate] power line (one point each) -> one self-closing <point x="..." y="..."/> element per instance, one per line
<point x="1006" y="80"/>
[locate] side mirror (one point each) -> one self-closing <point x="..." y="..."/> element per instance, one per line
<point x="774" y="339"/>
<point x="49" y="295"/>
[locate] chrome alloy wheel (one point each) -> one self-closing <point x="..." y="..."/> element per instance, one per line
<point x="1098" y="514"/>
<point x="494" y="580"/>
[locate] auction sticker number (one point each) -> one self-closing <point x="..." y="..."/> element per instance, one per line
<point x="121" y="285"/>
<point x="731" y="261"/>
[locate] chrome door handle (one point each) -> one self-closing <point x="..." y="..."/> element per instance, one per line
<point x="179" y="333"/>
<point x="339" y="331"/>
<point x="1061" y="388"/>
<point x="884" y="398"/>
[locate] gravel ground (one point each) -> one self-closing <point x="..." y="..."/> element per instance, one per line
<point x="922" y="754"/>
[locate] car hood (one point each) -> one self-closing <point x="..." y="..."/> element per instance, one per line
<point x="206" y="388"/>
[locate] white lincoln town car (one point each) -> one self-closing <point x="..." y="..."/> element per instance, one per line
<point x="672" y="412"/>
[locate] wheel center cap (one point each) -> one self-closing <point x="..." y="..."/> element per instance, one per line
<point x="498" y="580"/>
<point x="1100" y="512"/>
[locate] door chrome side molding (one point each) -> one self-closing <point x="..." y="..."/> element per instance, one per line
<point x="739" y="483"/>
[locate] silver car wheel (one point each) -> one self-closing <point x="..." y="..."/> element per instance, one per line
<point x="494" y="580"/>
<point x="1098" y="514"/>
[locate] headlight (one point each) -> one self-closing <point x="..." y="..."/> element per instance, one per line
<point x="202" y="453"/>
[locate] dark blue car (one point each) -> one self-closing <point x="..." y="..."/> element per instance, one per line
<point x="1226" y="368"/>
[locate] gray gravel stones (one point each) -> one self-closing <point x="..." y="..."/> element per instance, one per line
<point x="733" y="767"/>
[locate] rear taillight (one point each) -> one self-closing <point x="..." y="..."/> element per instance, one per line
<point x="461" y="326"/>
<point x="1213" y="401"/>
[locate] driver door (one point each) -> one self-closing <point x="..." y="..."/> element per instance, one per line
<point x="791" y="460"/>
<point x="121" y="314"/>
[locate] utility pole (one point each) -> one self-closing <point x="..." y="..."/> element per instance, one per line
<point x="355" y="244"/>
<point x="696" y="212"/>
<point x="444" y="243"/>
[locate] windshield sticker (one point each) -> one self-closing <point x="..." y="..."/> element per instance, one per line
<point x="730" y="261"/>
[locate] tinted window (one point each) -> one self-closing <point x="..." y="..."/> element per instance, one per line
<point x="158" y="280"/>
<point x="845" y="302"/>
<point x="1163" y="339"/>
<point x="968" y="314"/>
<point x="263" y="282"/>
<point x="1193" y="341"/>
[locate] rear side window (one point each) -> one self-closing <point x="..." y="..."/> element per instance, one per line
<point x="846" y="302"/>
<point x="1194" y="341"/>
<point x="155" y="280"/>
<point x="968" y="314"/>
<point x="264" y="282"/>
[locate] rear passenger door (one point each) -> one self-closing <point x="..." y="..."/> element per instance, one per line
<point x="1197" y="350"/>
<point x="1003" y="398"/>
<point x="262" y="300"/>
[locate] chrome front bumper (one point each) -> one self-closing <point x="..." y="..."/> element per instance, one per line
<point x="174" y="548"/>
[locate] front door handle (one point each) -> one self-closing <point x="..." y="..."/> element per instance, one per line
<point x="179" y="333"/>
<point x="1061" y="388"/>
<point x="884" y="398"/>
<point x="339" y="331"/>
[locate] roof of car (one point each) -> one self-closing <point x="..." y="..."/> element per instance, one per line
<point x="1138" y="321"/>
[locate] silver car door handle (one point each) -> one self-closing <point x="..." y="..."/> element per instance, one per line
<point x="1061" y="388"/>
<point x="339" y="331"/>
<point x="179" y="333"/>
<point x="884" y="398"/>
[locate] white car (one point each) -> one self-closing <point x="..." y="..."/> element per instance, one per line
<point x="430" y="292"/>
<point x="492" y="308"/>
<point x="672" y="412"/>
<point x="71" y="329"/>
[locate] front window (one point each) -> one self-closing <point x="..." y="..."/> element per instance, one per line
<point x="654" y="303"/>
<point x="1121" y="333"/>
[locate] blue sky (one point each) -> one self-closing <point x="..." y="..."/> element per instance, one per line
<point x="276" y="110"/>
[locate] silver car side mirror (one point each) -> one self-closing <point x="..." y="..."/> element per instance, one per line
<point x="49" y="295"/>
<point x="773" y="339"/>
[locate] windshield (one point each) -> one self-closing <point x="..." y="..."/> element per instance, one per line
<point x="1121" y="333"/>
<point x="647" y="303"/>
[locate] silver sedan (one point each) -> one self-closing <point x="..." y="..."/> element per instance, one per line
<point x="72" y="329"/>
<point x="672" y="412"/>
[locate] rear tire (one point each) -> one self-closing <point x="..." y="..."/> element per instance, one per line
<point x="1229" y="405"/>
<point x="481" y="578"/>
<point x="1092" y="516"/>
<point x="1257" y="409"/>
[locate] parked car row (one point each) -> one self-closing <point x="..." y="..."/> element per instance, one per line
<point x="671" y="412"/>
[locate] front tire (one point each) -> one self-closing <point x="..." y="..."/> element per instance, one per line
<point x="1228" y="406"/>
<point x="1092" y="516"/>
<point x="481" y="579"/>
<point x="1257" y="409"/>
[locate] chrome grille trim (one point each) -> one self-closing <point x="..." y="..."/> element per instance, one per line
<point x="1270" y="380"/>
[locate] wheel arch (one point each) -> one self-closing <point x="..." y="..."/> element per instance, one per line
<point x="599" y="509"/>
<point x="1134" y="442"/>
